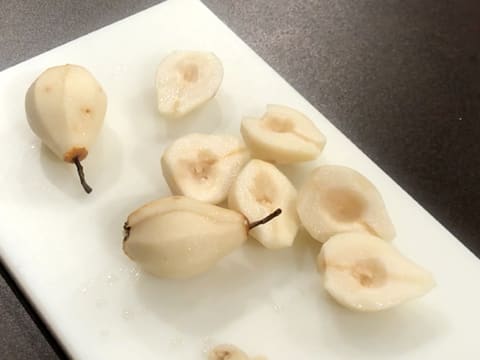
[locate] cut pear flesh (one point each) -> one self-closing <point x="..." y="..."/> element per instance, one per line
<point x="203" y="166"/>
<point x="283" y="135"/>
<point x="185" y="80"/>
<point x="336" y="199"/>
<point x="259" y="189"/>
<point x="227" y="352"/>
<point x="365" y="273"/>
<point x="230" y="352"/>
<point x="65" y="108"/>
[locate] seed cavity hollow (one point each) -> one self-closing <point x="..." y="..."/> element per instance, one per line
<point x="370" y="273"/>
<point x="280" y="125"/>
<point x="189" y="72"/>
<point x="263" y="190"/>
<point x="201" y="168"/>
<point x="344" y="204"/>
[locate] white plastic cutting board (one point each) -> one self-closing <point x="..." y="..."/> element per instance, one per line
<point x="64" y="247"/>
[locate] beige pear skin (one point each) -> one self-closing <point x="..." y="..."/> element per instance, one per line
<point x="179" y="237"/>
<point x="65" y="108"/>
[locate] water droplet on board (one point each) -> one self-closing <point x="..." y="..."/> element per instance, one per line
<point x="207" y="344"/>
<point x="127" y="315"/>
<point x="111" y="279"/>
<point x="178" y="341"/>
<point x="99" y="303"/>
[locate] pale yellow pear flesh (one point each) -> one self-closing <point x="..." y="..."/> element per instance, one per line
<point x="259" y="189"/>
<point x="283" y="135"/>
<point x="66" y="108"/>
<point x="227" y="352"/>
<point x="178" y="237"/>
<point x="186" y="80"/>
<point x="336" y="199"/>
<point x="364" y="273"/>
<point x="203" y="166"/>
<point x="230" y="352"/>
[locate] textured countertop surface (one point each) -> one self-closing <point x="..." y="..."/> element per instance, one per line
<point x="401" y="78"/>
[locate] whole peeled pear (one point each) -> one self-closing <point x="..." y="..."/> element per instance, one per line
<point x="179" y="237"/>
<point x="65" y="108"/>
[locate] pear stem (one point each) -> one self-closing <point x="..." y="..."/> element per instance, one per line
<point x="126" y="231"/>
<point x="265" y="220"/>
<point x="81" y="175"/>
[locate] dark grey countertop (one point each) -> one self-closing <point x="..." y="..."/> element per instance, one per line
<point x="401" y="78"/>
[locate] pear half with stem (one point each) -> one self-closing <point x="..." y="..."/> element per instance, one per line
<point x="65" y="108"/>
<point x="186" y="80"/>
<point x="336" y="199"/>
<point x="179" y="237"/>
<point x="259" y="189"/>
<point x="365" y="273"/>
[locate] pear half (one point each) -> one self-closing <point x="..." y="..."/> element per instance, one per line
<point x="365" y="273"/>
<point x="259" y="189"/>
<point x="336" y="199"/>
<point x="203" y="166"/>
<point x="186" y="80"/>
<point x="282" y="135"/>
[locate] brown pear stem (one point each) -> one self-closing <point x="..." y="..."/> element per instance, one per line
<point x="81" y="175"/>
<point x="126" y="231"/>
<point x="265" y="220"/>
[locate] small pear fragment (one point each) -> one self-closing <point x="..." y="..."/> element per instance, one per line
<point x="364" y="273"/>
<point x="179" y="237"/>
<point x="259" y="189"/>
<point x="186" y="80"/>
<point x="227" y="352"/>
<point x="65" y="108"/>
<point x="203" y="166"/>
<point x="282" y="135"/>
<point x="230" y="352"/>
<point x="336" y="199"/>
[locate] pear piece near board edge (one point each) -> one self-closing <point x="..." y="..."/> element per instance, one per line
<point x="259" y="189"/>
<point x="65" y="108"/>
<point x="336" y="199"/>
<point x="230" y="352"/>
<point x="186" y="80"/>
<point x="283" y="136"/>
<point x="365" y="273"/>
<point x="203" y="166"/>
<point x="179" y="237"/>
